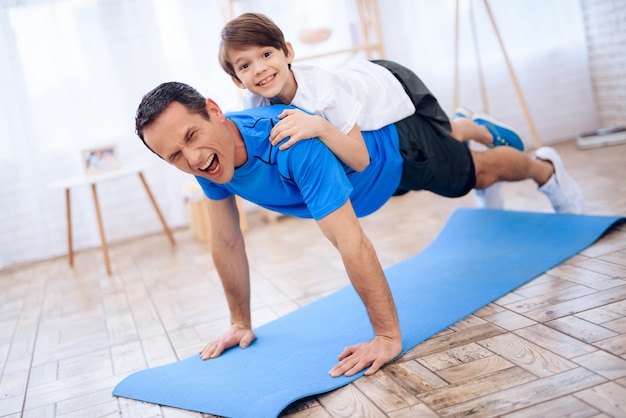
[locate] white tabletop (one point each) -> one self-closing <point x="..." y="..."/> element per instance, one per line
<point x="84" y="180"/>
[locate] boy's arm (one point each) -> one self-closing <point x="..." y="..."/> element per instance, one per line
<point x="297" y="125"/>
<point x="231" y="262"/>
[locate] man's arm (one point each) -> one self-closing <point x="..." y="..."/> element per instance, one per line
<point x="231" y="261"/>
<point x="343" y="229"/>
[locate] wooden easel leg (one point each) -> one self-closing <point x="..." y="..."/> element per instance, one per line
<point x="370" y="27"/>
<point x="105" y="248"/>
<point x="68" y="212"/>
<point x="518" y="89"/>
<point x="481" y="77"/>
<point x="170" y="236"/>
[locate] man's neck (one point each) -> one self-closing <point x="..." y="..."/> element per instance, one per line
<point x="241" y="152"/>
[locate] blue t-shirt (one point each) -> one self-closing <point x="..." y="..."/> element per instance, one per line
<point x="307" y="180"/>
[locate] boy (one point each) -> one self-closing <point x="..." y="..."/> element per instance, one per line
<point x="359" y="96"/>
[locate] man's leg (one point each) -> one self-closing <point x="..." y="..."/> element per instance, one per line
<point x="545" y="168"/>
<point x="479" y="138"/>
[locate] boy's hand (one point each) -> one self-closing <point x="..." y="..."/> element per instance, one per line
<point x="297" y="125"/>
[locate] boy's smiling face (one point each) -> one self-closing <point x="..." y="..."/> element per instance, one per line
<point x="264" y="70"/>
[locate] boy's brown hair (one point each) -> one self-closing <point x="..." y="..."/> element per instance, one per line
<point x="249" y="29"/>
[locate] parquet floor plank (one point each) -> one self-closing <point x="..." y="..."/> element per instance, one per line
<point x="474" y="368"/>
<point x="349" y="402"/>
<point x="527" y="355"/>
<point x="578" y="304"/>
<point x="555" y="341"/>
<point x="581" y="329"/>
<point x="475" y="387"/>
<point x="605" y="313"/>
<point x="567" y="406"/>
<point x="419" y="410"/>
<point x="385" y="393"/>
<point x="615" y="345"/>
<point x="609" y="398"/>
<point x="549" y="298"/>
<point x="603" y="363"/>
<point x="525" y="395"/>
<point x="414" y="377"/>
<point x="452" y="340"/>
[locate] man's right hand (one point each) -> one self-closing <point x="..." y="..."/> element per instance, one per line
<point x="236" y="335"/>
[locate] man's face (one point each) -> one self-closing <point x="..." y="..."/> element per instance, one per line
<point x="192" y="143"/>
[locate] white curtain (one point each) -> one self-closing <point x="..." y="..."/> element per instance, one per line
<point x="73" y="71"/>
<point x="71" y="75"/>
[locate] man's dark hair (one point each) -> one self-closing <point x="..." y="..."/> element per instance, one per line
<point x="246" y="30"/>
<point x="158" y="99"/>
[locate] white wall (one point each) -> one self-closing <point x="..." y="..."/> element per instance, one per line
<point x="605" y="23"/>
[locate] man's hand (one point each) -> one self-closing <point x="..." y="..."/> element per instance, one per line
<point x="375" y="353"/>
<point x="296" y="125"/>
<point x="237" y="334"/>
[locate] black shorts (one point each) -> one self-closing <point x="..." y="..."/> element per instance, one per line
<point x="433" y="160"/>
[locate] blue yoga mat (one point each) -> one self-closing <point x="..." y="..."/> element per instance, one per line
<point x="479" y="256"/>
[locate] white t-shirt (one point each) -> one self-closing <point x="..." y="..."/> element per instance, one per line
<point x="359" y="92"/>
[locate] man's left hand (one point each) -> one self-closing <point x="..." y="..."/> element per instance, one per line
<point x="373" y="354"/>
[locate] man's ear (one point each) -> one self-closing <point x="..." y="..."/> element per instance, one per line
<point x="213" y="108"/>
<point x="237" y="82"/>
<point x="290" y="53"/>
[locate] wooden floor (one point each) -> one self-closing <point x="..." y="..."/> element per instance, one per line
<point x="555" y="347"/>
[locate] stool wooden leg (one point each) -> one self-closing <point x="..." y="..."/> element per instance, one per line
<point x="105" y="248"/>
<point x="68" y="212"/>
<point x="156" y="208"/>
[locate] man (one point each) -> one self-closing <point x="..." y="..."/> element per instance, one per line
<point x="231" y="154"/>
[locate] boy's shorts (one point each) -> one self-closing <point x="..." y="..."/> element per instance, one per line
<point x="433" y="160"/>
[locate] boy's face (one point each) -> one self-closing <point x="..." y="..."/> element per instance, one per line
<point x="192" y="143"/>
<point x="264" y="70"/>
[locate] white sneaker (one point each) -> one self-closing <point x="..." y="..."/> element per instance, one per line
<point x="489" y="198"/>
<point x="564" y="193"/>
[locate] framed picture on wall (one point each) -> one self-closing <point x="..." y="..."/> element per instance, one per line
<point x="100" y="159"/>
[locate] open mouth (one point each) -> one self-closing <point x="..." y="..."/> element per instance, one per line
<point x="266" y="81"/>
<point x="211" y="165"/>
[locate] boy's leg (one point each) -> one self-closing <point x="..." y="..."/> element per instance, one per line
<point x="426" y="104"/>
<point x="484" y="129"/>
<point x="433" y="161"/>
